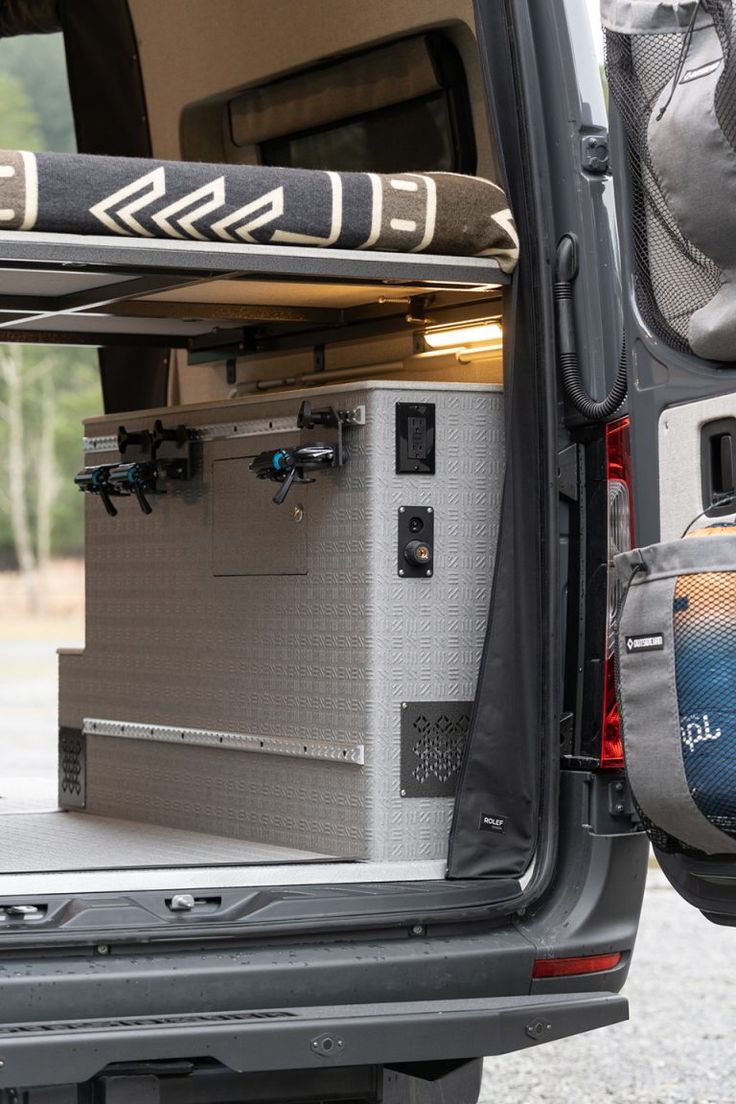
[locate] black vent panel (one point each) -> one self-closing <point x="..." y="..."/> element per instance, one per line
<point x="72" y="768"/>
<point x="433" y="736"/>
<point x="203" y="1019"/>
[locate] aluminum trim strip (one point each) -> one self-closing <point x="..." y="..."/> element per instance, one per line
<point x="232" y="741"/>
<point x="251" y="427"/>
<point x="226" y="431"/>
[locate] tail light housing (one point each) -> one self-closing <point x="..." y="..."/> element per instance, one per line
<point x="620" y="539"/>
<point x="571" y="967"/>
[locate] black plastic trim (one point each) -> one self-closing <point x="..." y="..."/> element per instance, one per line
<point x="303" y="1038"/>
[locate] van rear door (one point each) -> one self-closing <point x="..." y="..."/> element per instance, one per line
<point x="671" y="74"/>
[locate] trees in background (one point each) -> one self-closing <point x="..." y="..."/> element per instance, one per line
<point x="44" y="391"/>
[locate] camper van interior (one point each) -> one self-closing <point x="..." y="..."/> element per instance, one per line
<point x="291" y="523"/>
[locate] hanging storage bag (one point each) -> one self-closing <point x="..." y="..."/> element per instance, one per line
<point x="676" y="664"/>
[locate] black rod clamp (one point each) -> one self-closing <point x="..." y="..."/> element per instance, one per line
<point x="288" y="466"/>
<point x="149" y="458"/>
<point x="96" y="480"/>
<point x="137" y="480"/>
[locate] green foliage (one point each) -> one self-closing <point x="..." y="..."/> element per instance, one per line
<point x="35" y="113"/>
<point x="77" y="396"/>
<point x="36" y="64"/>
<point x="19" y="124"/>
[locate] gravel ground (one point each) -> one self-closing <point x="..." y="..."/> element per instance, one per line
<point x="678" y="1046"/>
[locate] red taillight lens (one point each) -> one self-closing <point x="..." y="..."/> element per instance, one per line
<point x="620" y="539"/>
<point x="564" y="967"/>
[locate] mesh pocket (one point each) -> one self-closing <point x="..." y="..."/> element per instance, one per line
<point x="704" y="616"/>
<point x="676" y="668"/>
<point x="672" y="277"/>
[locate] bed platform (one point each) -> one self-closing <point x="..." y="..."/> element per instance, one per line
<point x="84" y="289"/>
<point x="105" y="249"/>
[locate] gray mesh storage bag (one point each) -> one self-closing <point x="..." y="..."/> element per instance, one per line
<point x="671" y="68"/>
<point x="676" y="665"/>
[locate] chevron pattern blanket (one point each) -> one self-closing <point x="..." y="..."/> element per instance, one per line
<point x="440" y="213"/>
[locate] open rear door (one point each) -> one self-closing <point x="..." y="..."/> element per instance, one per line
<point x="671" y="69"/>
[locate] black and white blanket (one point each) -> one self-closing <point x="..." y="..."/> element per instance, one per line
<point x="440" y="213"/>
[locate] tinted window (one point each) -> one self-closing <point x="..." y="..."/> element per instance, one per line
<point x="416" y="135"/>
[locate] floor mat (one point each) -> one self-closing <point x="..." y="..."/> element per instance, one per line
<point x="53" y="841"/>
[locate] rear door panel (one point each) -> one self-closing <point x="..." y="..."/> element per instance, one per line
<point x="676" y="399"/>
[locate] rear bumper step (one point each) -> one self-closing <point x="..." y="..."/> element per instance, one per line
<point x="64" y="1052"/>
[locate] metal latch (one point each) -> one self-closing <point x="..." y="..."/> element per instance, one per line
<point x="594" y="154"/>
<point x="22" y="912"/>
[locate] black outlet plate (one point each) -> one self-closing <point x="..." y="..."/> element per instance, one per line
<point x="415" y="438"/>
<point x="409" y="530"/>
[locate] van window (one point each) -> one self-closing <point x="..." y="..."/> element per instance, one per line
<point x="414" y="135"/>
<point x="395" y="108"/>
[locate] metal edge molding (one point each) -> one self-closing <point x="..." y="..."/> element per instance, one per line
<point x="231" y="741"/>
<point x="251" y="427"/>
<point x="226" y="431"/>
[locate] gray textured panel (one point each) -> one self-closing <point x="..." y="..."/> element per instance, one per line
<point x="241" y="545"/>
<point x="327" y="657"/>
<point x="680" y="473"/>
<point x="432" y="740"/>
<point x="73" y="841"/>
<point x="72" y="768"/>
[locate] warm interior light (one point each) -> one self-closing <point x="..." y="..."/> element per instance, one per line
<point x="482" y="332"/>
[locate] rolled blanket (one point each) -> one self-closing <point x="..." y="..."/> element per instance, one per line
<point x="442" y="213"/>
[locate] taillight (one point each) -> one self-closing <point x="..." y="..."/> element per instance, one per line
<point x="620" y="539"/>
<point x="565" y="967"/>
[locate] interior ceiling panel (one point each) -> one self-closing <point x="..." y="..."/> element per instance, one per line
<point x="193" y="49"/>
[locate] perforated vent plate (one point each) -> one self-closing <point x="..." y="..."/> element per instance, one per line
<point x="433" y="738"/>
<point x="72" y="768"/>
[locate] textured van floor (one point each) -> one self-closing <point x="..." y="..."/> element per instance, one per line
<point x="54" y="841"/>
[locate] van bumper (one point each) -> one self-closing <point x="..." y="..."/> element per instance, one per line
<point x="58" y="1052"/>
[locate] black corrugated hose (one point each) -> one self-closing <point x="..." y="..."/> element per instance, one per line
<point x="566" y="269"/>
